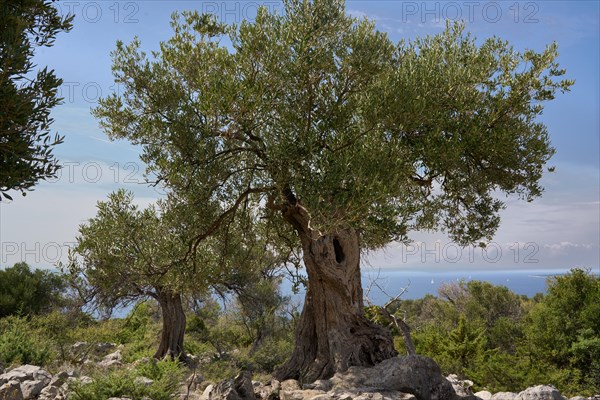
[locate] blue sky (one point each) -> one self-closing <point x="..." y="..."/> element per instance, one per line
<point x="558" y="231"/>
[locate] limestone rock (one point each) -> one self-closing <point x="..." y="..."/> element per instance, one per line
<point x="48" y="393"/>
<point x="42" y="376"/>
<point x="301" y="394"/>
<point x="321" y="384"/>
<point x="58" y="379"/>
<point x="82" y="350"/>
<point x="361" y="394"/>
<point x="15" y="375"/>
<point x="324" y="396"/>
<point x="11" y="391"/>
<point x="290" y="385"/>
<point x="484" y="395"/>
<point x="31" y="389"/>
<point x="540" y="392"/>
<point x="112" y="360"/>
<point x="504" y="396"/>
<point x="269" y="391"/>
<point x="461" y="387"/>
<point x="239" y="388"/>
<point x="143" y="381"/>
<point x="207" y="391"/>
<point x="194" y="381"/>
<point x="418" y="375"/>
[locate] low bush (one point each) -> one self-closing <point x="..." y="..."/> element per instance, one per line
<point x="166" y="377"/>
<point x="21" y="343"/>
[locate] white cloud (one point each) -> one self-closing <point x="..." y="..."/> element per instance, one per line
<point x="357" y="13"/>
<point x="40" y="228"/>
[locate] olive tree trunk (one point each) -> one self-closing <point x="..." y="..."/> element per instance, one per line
<point x="173" y="329"/>
<point x="333" y="332"/>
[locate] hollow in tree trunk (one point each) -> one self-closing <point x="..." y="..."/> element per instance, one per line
<point x="333" y="332"/>
<point x="173" y="329"/>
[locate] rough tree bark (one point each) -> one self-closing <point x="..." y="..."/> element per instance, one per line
<point x="333" y="333"/>
<point x="171" y="338"/>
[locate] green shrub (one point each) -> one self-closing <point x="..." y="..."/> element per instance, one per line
<point x="166" y="376"/>
<point x="271" y="354"/>
<point x="219" y="370"/>
<point x="20" y="343"/>
<point x="27" y="292"/>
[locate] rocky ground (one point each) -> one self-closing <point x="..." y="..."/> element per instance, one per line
<point x="400" y="378"/>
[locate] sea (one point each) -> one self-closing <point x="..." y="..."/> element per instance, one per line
<point x="416" y="284"/>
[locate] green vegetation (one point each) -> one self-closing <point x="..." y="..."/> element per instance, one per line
<point x="26" y="96"/>
<point x="486" y="333"/>
<point x="302" y="138"/>
<point x="505" y="342"/>
<point x="23" y="291"/>
<point x="166" y="378"/>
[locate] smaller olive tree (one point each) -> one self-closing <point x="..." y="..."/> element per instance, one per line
<point x="125" y="254"/>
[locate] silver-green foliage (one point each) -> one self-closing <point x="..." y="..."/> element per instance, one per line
<point x="384" y="137"/>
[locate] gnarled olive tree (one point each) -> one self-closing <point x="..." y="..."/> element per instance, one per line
<point x="339" y="134"/>
<point x="126" y="254"/>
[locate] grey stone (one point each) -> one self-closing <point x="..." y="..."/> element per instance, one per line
<point x="23" y="373"/>
<point x="84" y="380"/>
<point x="112" y="360"/>
<point x="504" y="396"/>
<point x="194" y="381"/>
<point x="207" y="391"/>
<point x="270" y="392"/>
<point x="300" y="394"/>
<point x="11" y="391"/>
<point x="415" y="374"/>
<point x="143" y="381"/>
<point x="48" y="393"/>
<point x="100" y="349"/>
<point x="239" y="388"/>
<point x="110" y="363"/>
<point x="540" y="392"/>
<point x="14" y="376"/>
<point x="28" y="369"/>
<point x="83" y="349"/>
<point x="461" y="387"/>
<point x="321" y="384"/>
<point x="484" y="395"/>
<point x="321" y="397"/>
<point x="290" y="385"/>
<point x="114" y="356"/>
<point x="60" y="378"/>
<point x="31" y="389"/>
<point x="42" y="376"/>
<point x="243" y="385"/>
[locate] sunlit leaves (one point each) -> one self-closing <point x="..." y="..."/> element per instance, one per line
<point x="25" y="141"/>
<point x="384" y="137"/>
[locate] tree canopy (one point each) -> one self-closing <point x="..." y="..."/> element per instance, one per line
<point x="26" y="101"/>
<point x="362" y="131"/>
<point x="26" y="292"/>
